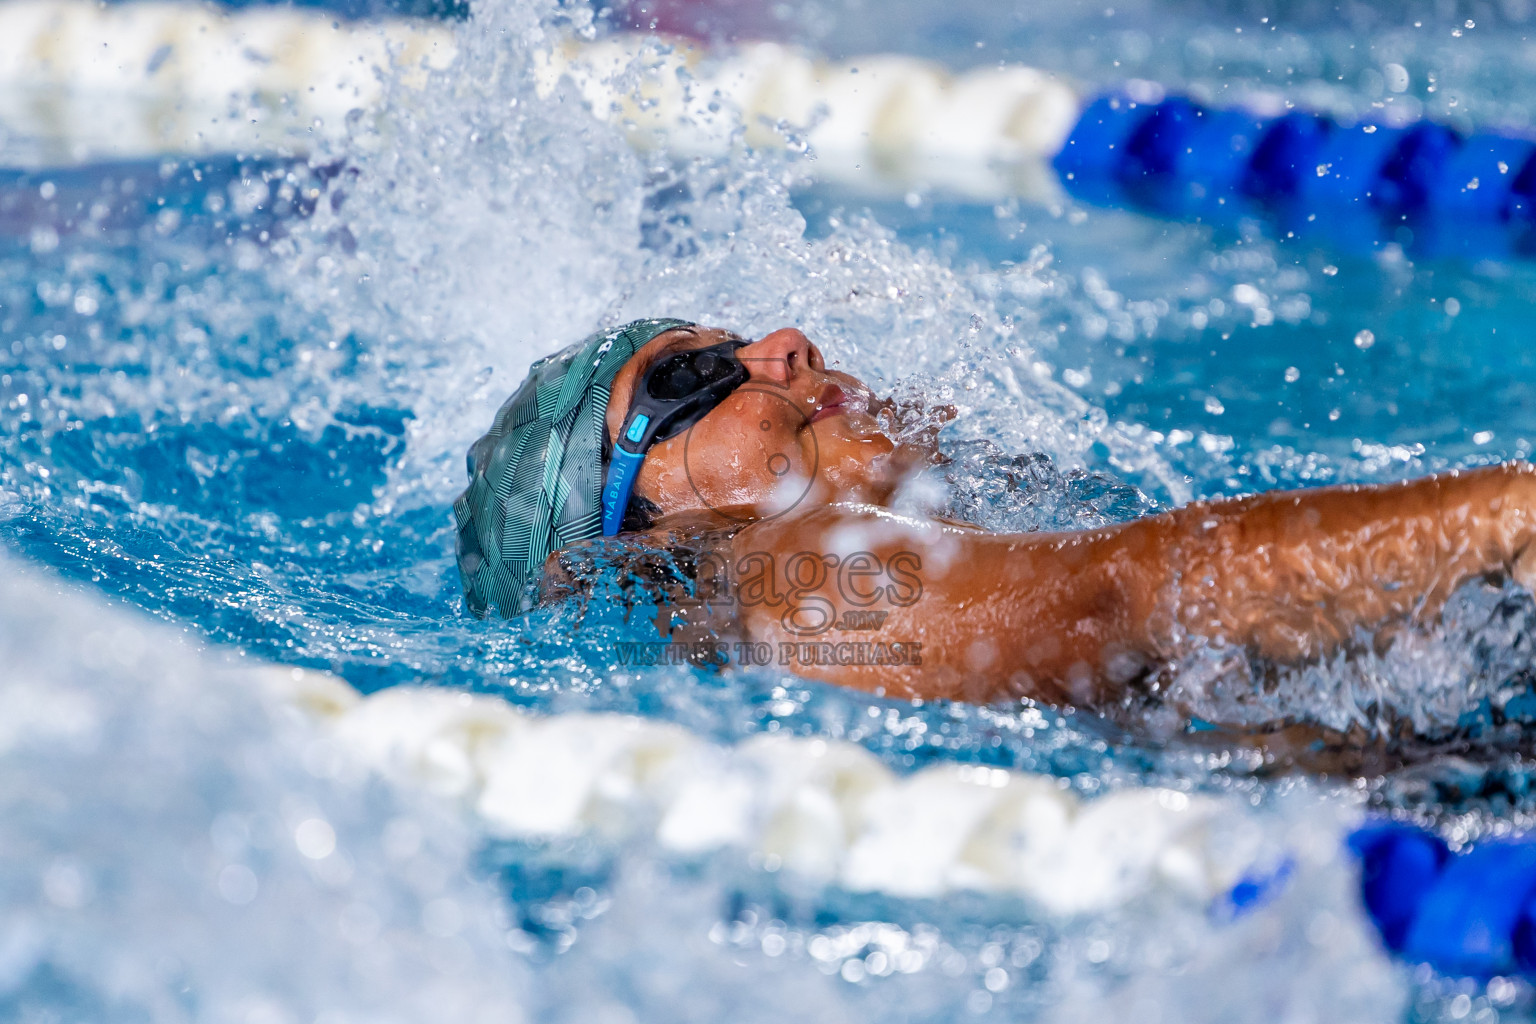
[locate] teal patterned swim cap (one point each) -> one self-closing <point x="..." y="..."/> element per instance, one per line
<point x="535" y="480"/>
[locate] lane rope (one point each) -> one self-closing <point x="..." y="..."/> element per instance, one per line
<point x="830" y="811"/>
<point x="83" y="81"/>
<point x="79" y="81"/>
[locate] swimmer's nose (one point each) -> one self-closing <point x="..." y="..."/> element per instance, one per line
<point x="779" y="356"/>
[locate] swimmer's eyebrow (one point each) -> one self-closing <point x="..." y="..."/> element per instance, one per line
<point x="668" y="349"/>
<point x="675" y="342"/>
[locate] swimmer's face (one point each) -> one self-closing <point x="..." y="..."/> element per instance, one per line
<point x="796" y="433"/>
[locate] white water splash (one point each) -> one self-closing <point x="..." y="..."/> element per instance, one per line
<point x="493" y="226"/>
<point x="179" y="850"/>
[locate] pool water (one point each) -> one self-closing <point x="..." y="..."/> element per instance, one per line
<point x="235" y="396"/>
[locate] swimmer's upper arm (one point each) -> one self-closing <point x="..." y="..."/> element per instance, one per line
<point x="1294" y="575"/>
<point x="918" y="609"/>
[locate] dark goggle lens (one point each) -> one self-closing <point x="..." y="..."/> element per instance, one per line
<point x="678" y="376"/>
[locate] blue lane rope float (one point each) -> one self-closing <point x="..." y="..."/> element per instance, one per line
<point x="1179" y="158"/>
<point x="1471" y="913"/>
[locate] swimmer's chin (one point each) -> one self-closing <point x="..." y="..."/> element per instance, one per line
<point x="872" y="482"/>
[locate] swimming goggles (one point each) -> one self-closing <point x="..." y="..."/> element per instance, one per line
<point x="675" y="393"/>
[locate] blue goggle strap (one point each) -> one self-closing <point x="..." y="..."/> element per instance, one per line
<point x="621" y="480"/>
<point x="622" y="471"/>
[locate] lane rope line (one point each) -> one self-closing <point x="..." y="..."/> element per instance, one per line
<point x="81" y="82"/>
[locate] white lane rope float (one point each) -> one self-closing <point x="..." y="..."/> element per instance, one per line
<point x="82" y="81"/>
<point x="827" y="810"/>
<point x="830" y="812"/>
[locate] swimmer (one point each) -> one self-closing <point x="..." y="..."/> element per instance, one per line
<point x="770" y="475"/>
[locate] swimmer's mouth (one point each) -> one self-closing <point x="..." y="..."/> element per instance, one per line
<point x="834" y="401"/>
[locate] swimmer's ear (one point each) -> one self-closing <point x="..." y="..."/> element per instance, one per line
<point x="639" y="515"/>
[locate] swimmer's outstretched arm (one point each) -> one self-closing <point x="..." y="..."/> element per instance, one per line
<point x="1070" y="617"/>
